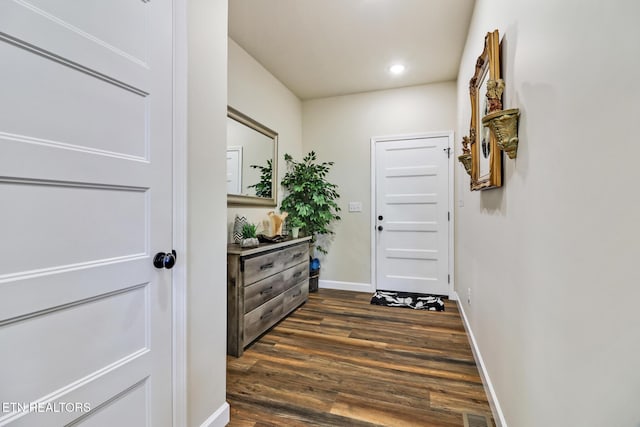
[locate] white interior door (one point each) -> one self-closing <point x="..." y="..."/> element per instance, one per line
<point x="411" y="214"/>
<point x="85" y="193"/>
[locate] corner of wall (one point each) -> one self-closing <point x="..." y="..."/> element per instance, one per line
<point x="206" y="207"/>
<point x="496" y="410"/>
<point x="219" y="418"/>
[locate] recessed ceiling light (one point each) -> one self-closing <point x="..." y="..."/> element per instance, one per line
<point x="397" y="69"/>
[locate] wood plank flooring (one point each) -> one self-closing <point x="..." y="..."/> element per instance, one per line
<point x="340" y="361"/>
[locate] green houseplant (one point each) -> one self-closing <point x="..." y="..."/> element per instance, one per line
<point x="263" y="187"/>
<point x="310" y="198"/>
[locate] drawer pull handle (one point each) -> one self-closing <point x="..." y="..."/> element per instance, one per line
<point x="266" y="315"/>
<point x="296" y="295"/>
<point x="298" y="255"/>
<point x="266" y="266"/>
<point x="266" y="291"/>
<point x="298" y="274"/>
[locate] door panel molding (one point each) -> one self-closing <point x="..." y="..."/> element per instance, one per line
<point x="32" y="28"/>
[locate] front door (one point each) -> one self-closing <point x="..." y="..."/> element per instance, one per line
<point x="85" y="202"/>
<point x="411" y="214"/>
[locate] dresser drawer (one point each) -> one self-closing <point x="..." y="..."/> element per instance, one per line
<point x="295" y="275"/>
<point x="295" y="255"/>
<point x="262" y="266"/>
<point x="262" y="291"/>
<point x="262" y="318"/>
<point x="295" y="296"/>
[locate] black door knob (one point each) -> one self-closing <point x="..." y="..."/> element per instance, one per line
<point x="379" y="228"/>
<point x="380" y="218"/>
<point x="165" y="260"/>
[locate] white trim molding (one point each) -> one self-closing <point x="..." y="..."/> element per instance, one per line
<point x="452" y="214"/>
<point x="220" y="418"/>
<point x="346" y="286"/>
<point x="451" y="202"/>
<point x="179" y="275"/>
<point x="498" y="416"/>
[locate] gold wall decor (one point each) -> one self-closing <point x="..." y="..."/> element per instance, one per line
<point x="465" y="157"/>
<point x="504" y="126"/>
<point x="494" y="94"/>
<point x="486" y="158"/>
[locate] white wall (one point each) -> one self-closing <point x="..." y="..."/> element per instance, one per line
<point x="339" y="129"/>
<point x="206" y="255"/>
<point x="258" y="94"/>
<point x="551" y="257"/>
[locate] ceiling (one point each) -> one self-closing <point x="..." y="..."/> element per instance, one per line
<point x="320" y="48"/>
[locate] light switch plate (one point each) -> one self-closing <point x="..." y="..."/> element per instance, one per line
<point x="355" y="206"/>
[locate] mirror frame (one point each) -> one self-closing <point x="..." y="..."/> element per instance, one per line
<point x="488" y="65"/>
<point x="238" y="199"/>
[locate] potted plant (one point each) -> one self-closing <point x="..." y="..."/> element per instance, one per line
<point x="249" y="236"/>
<point x="295" y="224"/>
<point x="310" y="198"/>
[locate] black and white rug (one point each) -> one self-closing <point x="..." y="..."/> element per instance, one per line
<point x="408" y="299"/>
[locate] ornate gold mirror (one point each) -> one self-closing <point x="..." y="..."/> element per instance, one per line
<point x="486" y="158"/>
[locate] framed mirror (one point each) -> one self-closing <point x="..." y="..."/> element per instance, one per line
<point x="486" y="158"/>
<point x="252" y="153"/>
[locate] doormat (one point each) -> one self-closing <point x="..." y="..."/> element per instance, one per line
<point x="408" y="300"/>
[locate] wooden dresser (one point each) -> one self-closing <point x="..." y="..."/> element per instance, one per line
<point x="264" y="285"/>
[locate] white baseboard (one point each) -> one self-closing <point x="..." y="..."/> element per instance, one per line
<point x="498" y="416"/>
<point x="345" y="286"/>
<point x="220" y="418"/>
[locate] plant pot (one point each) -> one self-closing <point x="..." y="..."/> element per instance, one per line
<point x="251" y="242"/>
<point x="295" y="231"/>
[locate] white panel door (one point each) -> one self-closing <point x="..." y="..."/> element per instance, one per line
<point x="85" y="202"/>
<point x="412" y="228"/>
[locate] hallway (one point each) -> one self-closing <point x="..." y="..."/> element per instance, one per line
<point x="340" y="361"/>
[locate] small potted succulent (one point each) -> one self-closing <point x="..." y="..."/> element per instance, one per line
<point x="249" y="236"/>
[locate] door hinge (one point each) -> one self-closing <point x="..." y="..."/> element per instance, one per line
<point x="449" y="216"/>
<point x="448" y="278"/>
<point x="448" y="150"/>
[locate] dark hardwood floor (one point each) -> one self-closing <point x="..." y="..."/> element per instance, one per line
<point x="340" y="361"/>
